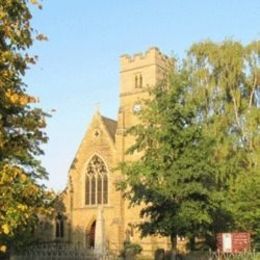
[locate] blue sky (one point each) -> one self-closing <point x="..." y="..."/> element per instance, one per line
<point x="79" y="65"/>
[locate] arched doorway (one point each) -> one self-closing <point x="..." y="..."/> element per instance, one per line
<point x="92" y="235"/>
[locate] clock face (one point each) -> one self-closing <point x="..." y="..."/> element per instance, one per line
<point x="137" y="108"/>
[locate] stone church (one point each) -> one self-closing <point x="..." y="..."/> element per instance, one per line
<point x="92" y="178"/>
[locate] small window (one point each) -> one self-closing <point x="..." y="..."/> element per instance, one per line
<point x="93" y="190"/>
<point x="99" y="190"/>
<point x="87" y="200"/>
<point x="138" y="80"/>
<point x="105" y="189"/>
<point x="59" y="226"/>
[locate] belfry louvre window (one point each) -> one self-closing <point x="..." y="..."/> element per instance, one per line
<point x="96" y="183"/>
<point x="138" y="81"/>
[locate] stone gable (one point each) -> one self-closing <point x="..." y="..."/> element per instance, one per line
<point x="106" y="142"/>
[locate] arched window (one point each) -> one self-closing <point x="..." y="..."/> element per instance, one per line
<point x="93" y="189"/>
<point x="99" y="189"/>
<point x="140" y="81"/>
<point x="136" y="81"/>
<point x="59" y="228"/>
<point x="105" y="187"/>
<point x="96" y="183"/>
<point x="87" y="185"/>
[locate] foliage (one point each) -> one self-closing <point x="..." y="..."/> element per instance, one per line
<point x="175" y="177"/>
<point x="130" y="250"/>
<point x="199" y="145"/>
<point x="22" y="198"/>
<point x="226" y="88"/>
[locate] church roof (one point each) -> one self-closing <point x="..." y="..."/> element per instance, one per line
<point x="111" y="126"/>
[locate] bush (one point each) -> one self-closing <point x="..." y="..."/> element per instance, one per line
<point x="130" y="250"/>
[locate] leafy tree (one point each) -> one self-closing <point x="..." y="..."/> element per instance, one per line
<point x="22" y="198"/>
<point x="175" y="177"/>
<point x="226" y="88"/>
<point x="199" y="141"/>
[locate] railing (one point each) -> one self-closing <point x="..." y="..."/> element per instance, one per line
<point x="198" y="255"/>
<point x="56" y="251"/>
<point x="235" y="256"/>
<point x="220" y="256"/>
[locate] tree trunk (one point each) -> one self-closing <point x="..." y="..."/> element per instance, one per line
<point x="174" y="242"/>
<point x="174" y="252"/>
<point x="192" y="243"/>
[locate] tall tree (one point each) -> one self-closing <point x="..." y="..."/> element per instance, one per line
<point x="226" y="87"/>
<point x="175" y="177"/>
<point x="22" y="198"/>
<point x="199" y="142"/>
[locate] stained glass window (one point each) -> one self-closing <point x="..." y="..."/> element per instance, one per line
<point x="96" y="182"/>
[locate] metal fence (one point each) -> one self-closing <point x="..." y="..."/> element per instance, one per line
<point x="56" y="251"/>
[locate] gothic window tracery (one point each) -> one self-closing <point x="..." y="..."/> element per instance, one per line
<point x="96" y="182"/>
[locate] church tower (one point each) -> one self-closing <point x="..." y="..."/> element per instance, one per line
<point x="138" y="73"/>
<point x="91" y="211"/>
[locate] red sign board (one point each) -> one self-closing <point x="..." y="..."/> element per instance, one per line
<point x="233" y="242"/>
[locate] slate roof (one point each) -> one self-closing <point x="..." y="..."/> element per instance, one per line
<point x="111" y="126"/>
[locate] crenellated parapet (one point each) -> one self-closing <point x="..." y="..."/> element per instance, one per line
<point x="152" y="56"/>
<point x="138" y="74"/>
